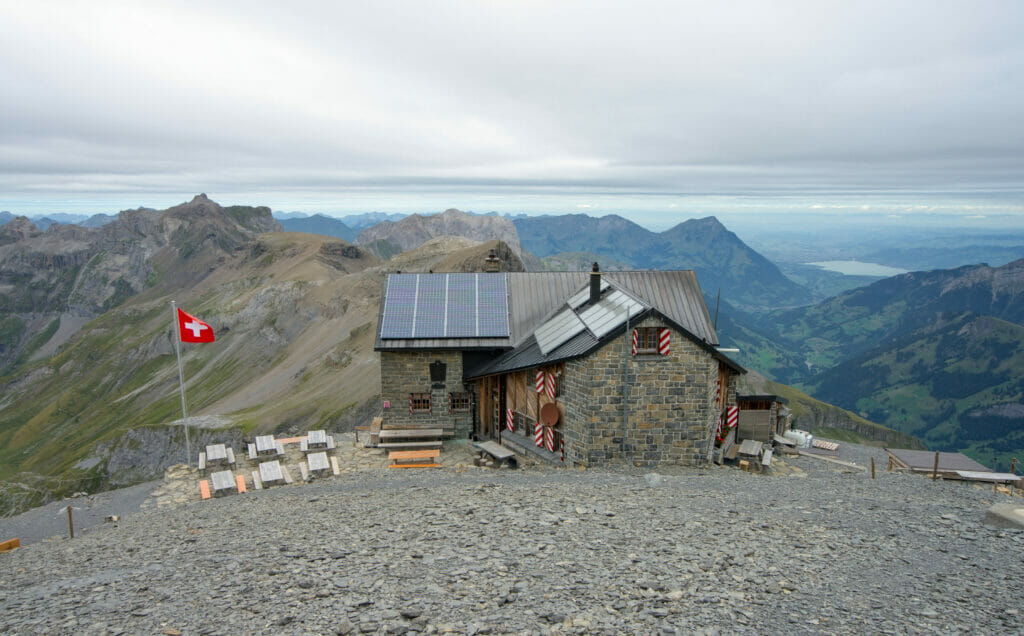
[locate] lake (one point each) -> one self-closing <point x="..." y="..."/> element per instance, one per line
<point x="858" y="268"/>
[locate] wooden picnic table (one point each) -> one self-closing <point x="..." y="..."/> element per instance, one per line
<point x="223" y="482"/>
<point x="265" y="445"/>
<point x="318" y="462"/>
<point x="271" y="473"/>
<point x="316" y="439"/>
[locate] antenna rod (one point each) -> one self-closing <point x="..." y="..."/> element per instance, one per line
<point x="717" y="303"/>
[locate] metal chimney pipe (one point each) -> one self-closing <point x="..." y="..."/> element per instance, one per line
<point x="595" y="283"/>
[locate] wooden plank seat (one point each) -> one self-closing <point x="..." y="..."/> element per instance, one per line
<point x="495" y="450"/>
<point x="414" y="458"/>
<point x="410" y="433"/>
<point x="412" y="444"/>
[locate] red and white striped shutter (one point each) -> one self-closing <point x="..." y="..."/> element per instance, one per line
<point x="549" y="380"/>
<point x="561" y="446"/>
<point x="634" y="341"/>
<point x="410" y="404"/>
<point x="549" y="439"/>
<point x="539" y="384"/>
<point x="732" y="417"/>
<point x="510" y="420"/>
<point x="538" y="433"/>
<point x="663" y="338"/>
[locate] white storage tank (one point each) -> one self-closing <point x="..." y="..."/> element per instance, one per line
<point x="802" y="439"/>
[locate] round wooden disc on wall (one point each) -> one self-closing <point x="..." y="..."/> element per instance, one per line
<point x="549" y="414"/>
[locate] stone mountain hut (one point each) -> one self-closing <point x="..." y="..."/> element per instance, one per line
<point x="585" y="368"/>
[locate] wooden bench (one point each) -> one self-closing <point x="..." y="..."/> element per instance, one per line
<point x="497" y="451"/>
<point x="9" y="544"/>
<point x="204" y="489"/>
<point x="414" y="459"/>
<point x="426" y="444"/>
<point x="410" y="438"/>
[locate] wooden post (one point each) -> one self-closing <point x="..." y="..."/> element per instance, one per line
<point x="1013" y="466"/>
<point x="71" y="525"/>
<point x="872" y="468"/>
<point x="935" y="469"/>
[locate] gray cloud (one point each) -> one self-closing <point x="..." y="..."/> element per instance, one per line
<point x="323" y="100"/>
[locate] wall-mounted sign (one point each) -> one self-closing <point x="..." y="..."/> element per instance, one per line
<point x="387" y="404"/>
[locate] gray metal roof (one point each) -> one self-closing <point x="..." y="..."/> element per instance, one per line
<point x="919" y="460"/>
<point x="675" y="294"/>
<point x="529" y="355"/>
<point x="534" y="297"/>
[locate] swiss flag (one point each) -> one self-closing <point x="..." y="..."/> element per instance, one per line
<point x="192" y="329"/>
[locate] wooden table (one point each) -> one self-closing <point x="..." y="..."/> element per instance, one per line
<point x="318" y="462"/>
<point x="223" y="481"/>
<point x="270" y="472"/>
<point x="265" y="445"/>
<point x="316" y="439"/>
<point x="216" y="454"/>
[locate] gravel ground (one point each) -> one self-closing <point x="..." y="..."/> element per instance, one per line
<point x="813" y="548"/>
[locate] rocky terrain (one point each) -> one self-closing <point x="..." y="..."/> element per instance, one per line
<point x="811" y="547"/>
<point x="415" y="230"/>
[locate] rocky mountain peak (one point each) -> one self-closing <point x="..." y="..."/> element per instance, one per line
<point x="415" y="230"/>
<point x="18" y="229"/>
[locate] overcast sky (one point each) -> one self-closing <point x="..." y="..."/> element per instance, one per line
<point x="513" y="106"/>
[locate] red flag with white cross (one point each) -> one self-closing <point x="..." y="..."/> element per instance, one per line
<point x="191" y="329"/>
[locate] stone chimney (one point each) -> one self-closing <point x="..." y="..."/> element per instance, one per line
<point x="493" y="263"/>
<point x="595" y="283"/>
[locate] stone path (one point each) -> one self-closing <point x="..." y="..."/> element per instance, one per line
<point x="460" y="549"/>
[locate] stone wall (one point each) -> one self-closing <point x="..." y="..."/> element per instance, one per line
<point x="402" y="373"/>
<point x="669" y="409"/>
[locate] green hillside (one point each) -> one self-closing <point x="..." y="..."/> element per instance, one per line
<point x="956" y="385"/>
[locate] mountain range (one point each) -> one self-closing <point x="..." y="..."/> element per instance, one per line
<point x="90" y="390"/>
<point x="722" y="261"/>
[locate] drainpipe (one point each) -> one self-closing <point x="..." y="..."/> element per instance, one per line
<point x="625" y="385"/>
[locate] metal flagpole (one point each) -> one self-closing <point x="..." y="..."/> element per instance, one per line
<point x="181" y="380"/>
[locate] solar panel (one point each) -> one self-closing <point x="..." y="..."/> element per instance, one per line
<point x="461" y="306"/>
<point x="492" y="306"/>
<point x="431" y="302"/>
<point x="558" y="330"/>
<point x="610" y="312"/>
<point x="445" y="306"/>
<point x="399" y="306"/>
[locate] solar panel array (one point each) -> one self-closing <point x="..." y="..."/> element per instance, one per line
<point x="445" y="306"/>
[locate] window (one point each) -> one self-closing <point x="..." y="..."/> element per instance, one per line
<point x="458" y="402"/>
<point x="646" y="340"/>
<point x="419" y="403"/>
<point x="523" y="424"/>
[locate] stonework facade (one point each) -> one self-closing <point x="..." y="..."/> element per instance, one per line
<point x="670" y="403"/>
<point x="404" y="373"/>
